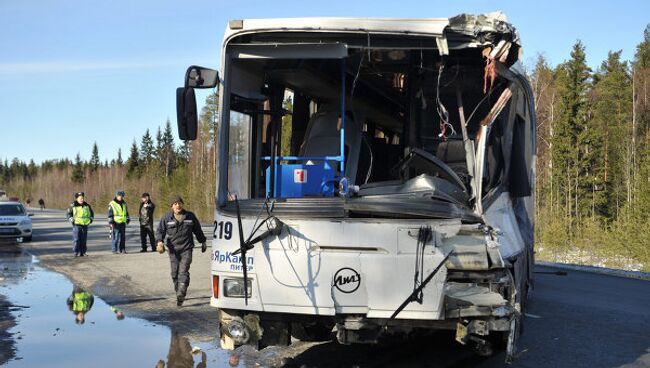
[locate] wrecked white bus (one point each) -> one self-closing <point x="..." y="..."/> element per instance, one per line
<point x="375" y="177"/>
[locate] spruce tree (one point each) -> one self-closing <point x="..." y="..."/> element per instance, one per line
<point x="159" y="145"/>
<point x="573" y="86"/>
<point x="285" y="145"/>
<point x="119" y="160"/>
<point x="77" y="170"/>
<point x="133" y="162"/>
<point x="147" y="150"/>
<point x="94" y="159"/>
<point x="611" y="124"/>
<point x="168" y="151"/>
<point x="184" y="153"/>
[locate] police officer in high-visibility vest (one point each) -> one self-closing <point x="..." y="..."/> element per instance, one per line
<point x="80" y="215"/>
<point x="118" y="218"/>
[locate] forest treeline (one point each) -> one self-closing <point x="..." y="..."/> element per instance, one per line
<point x="593" y="159"/>
<point x="593" y="163"/>
<point x="154" y="164"/>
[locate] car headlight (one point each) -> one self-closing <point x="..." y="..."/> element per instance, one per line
<point x="26" y="222"/>
<point x="234" y="288"/>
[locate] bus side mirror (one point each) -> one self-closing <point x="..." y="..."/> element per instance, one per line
<point x="200" y="77"/>
<point x="186" y="113"/>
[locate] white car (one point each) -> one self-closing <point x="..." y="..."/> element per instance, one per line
<point x="15" y="222"/>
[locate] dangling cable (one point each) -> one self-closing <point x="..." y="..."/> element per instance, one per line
<point x="356" y="77"/>
<point x="424" y="236"/>
<point x="365" y="139"/>
<point x="440" y="108"/>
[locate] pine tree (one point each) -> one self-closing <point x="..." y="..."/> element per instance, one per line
<point x="159" y="145"/>
<point x="32" y="169"/>
<point x="184" y="153"/>
<point x="542" y="81"/>
<point x="147" y="150"/>
<point x="573" y="86"/>
<point x="210" y="114"/>
<point x="641" y="81"/>
<point x="133" y="162"/>
<point x="612" y="125"/>
<point x="119" y="160"/>
<point x="285" y="146"/>
<point x="209" y="124"/>
<point x="2" y="175"/>
<point x="168" y="151"/>
<point x="94" y="162"/>
<point x="78" y="175"/>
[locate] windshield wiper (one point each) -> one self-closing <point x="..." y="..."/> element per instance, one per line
<point x="274" y="226"/>
<point x="418" y="290"/>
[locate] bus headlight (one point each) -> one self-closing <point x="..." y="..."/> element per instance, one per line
<point x="238" y="331"/>
<point x="234" y="288"/>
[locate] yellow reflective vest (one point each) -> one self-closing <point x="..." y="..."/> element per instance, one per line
<point x="82" y="301"/>
<point x="81" y="215"/>
<point x="119" y="212"/>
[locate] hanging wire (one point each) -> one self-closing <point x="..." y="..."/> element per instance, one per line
<point x="354" y="85"/>
<point x="441" y="109"/>
<point x="356" y="77"/>
<point x="425" y="234"/>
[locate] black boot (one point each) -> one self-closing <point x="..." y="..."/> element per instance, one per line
<point x="180" y="294"/>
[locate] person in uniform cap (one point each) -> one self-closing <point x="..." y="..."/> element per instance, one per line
<point x="80" y="215"/>
<point x="118" y="218"/>
<point x="175" y="231"/>
<point x="146" y="222"/>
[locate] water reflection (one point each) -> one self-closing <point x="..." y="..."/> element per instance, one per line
<point x="37" y="310"/>
<point x="180" y="354"/>
<point x="79" y="303"/>
<point x="45" y="335"/>
<point x="233" y="361"/>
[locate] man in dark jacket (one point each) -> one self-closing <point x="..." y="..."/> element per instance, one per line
<point x="118" y="218"/>
<point x="80" y="215"/>
<point x="146" y="222"/>
<point x="175" y="230"/>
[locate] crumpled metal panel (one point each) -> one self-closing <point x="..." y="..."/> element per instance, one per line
<point x="485" y="29"/>
<point x="479" y="296"/>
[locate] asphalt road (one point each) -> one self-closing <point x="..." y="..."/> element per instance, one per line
<point x="577" y="320"/>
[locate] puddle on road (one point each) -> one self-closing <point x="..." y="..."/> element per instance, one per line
<point x="56" y="324"/>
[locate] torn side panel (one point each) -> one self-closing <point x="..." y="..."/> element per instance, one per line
<point x="462" y="294"/>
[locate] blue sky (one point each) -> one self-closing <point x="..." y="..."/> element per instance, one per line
<point x="78" y="71"/>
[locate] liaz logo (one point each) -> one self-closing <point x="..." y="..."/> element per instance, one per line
<point x="347" y="280"/>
